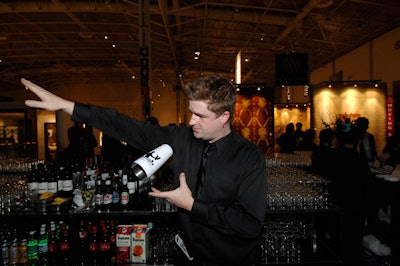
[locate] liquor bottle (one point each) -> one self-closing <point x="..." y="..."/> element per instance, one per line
<point x="124" y="193"/>
<point x="83" y="243"/>
<point x="42" y="179"/>
<point x="82" y="235"/>
<point x="60" y="172"/>
<point x="4" y="245"/>
<point x="113" y="241"/>
<point x="98" y="195"/>
<point x="32" y="179"/>
<point x="90" y="176"/>
<point x="13" y="252"/>
<point x="132" y="188"/>
<point x="22" y="252"/>
<point x="43" y="247"/>
<point x="64" y="245"/>
<point x="116" y="192"/>
<point x="52" y="185"/>
<point x="32" y="249"/>
<point x="52" y="246"/>
<point x="93" y="243"/>
<point x="104" y="245"/>
<point x="107" y="198"/>
<point x="67" y="185"/>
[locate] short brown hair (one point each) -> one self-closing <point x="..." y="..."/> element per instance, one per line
<point x="218" y="91"/>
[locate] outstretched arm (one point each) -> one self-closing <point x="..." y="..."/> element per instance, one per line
<point x="48" y="100"/>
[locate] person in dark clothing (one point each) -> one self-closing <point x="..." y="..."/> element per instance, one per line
<point x="307" y="143"/>
<point x="348" y="173"/>
<point x="321" y="158"/>
<point x="112" y="151"/>
<point x="74" y="152"/>
<point x="299" y="133"/>
<point x="391" y="152"/>
<point x="222" y="223"/>
<point x="287" y="141"/>
<point x="381" y="193"/>
<point x="89" y="142"/>
<point x="366" y="144"/>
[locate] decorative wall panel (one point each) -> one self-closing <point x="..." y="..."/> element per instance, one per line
<point x="254" y="120"/>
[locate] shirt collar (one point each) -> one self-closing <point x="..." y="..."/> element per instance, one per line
<point x="222" y="143"/>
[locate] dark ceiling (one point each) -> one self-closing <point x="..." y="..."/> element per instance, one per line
<point x="50" y="42"/>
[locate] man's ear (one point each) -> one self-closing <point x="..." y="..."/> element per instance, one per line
<point x="225" y="117"/>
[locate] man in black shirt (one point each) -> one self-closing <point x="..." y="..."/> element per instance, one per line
<point x="222" y="223"/>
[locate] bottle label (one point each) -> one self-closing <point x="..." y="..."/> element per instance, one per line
<point x="98" y="199"/>
<point x="107" y="199"/>
<point x="82" y="234"/>
<point x="13" y="254"/>
<point x="33" y="185"/>
<point x="43" y="248"/>
<point x="115" y="197"/>
<point x="124" y="198"/>
<point x="32" y="252"/>
<point x="105" y="246"/>
<point x="93" y="247"/>
<point x="131" y="185"/>
<point x="52" y="187"/>
<point x="67" y="185"/>
<point x="42" y="187"/>
<point x="52" y="248"/>
<point x="22" y="255"/>
<point x="64" y="246"/>
<point x="60" y="185"/>
<point x="4" y="251"/>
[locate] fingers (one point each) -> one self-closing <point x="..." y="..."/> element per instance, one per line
<point x="31" y="86"/>
<point x="34" y="104"/>
<point x="182" y="179"/>
<point x="154" y="189"/>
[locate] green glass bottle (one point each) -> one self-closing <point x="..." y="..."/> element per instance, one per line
<point x="32" y="249"/>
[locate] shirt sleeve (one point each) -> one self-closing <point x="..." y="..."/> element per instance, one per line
<point x="139" y="134"/>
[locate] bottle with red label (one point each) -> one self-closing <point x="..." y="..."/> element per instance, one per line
<point x="108" y="193"/>
<point x="93" y="244"/>
<point x="98" y="195"/>
<point x="113" y="241"/>
<point x="104" y="245"/>
<point x="124" y="193"/>
<point x="83" y="244"/>
<point x="52" y="246"/>
<point x="64" y="245"/>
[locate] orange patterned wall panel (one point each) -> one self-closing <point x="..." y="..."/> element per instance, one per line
<point x="254" y="120"/>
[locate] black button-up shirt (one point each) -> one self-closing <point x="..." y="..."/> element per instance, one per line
<point x="226" y="220"/>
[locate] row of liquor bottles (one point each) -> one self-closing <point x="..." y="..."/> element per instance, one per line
<point x="46" y="244"/>
<point x="89" y="188"/>
<point x="96" y="242"/>
<point x="93" y="242"/>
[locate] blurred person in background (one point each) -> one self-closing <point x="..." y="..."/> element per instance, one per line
<point x="287" y="140"/>
<point x="366" y="144"/>
<point x="74" y="152"/>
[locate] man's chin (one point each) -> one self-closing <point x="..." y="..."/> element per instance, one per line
<point x="197" y="135"/>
